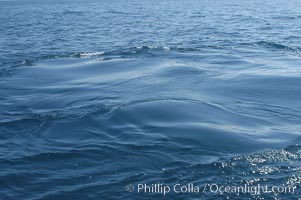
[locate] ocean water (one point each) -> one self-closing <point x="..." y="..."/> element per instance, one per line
<point x="99" y="96"/>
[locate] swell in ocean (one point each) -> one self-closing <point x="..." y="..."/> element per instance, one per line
<point x="100" y="98"/>
<point x="178" y="113"/>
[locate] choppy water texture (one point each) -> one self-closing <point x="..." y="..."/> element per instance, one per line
<point x="96" y="95"/>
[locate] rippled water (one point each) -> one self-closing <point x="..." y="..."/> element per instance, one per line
<point x="96" y="95"/>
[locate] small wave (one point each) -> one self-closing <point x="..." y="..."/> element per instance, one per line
<point x="278" y="47"/>
<point x="289" y="154"/>
<point x="71" y="12"/>
<point x="143" y="50"/>
<point x="272" y="45"/>
<point x="286" y="17"/>
<point x="90" y="54"/>
<point x="153" y="47"/>
<point x="71" y="112"/>
<point x="117" y="12"/>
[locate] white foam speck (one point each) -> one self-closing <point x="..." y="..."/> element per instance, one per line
<point x="90" y="54"/>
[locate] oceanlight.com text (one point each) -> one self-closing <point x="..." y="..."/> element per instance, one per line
<point x="165" y="189"/>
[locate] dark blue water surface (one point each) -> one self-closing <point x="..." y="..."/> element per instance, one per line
<point x="99" y="94"/>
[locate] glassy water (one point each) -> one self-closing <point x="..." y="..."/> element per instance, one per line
<point x="97" y="95"/>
